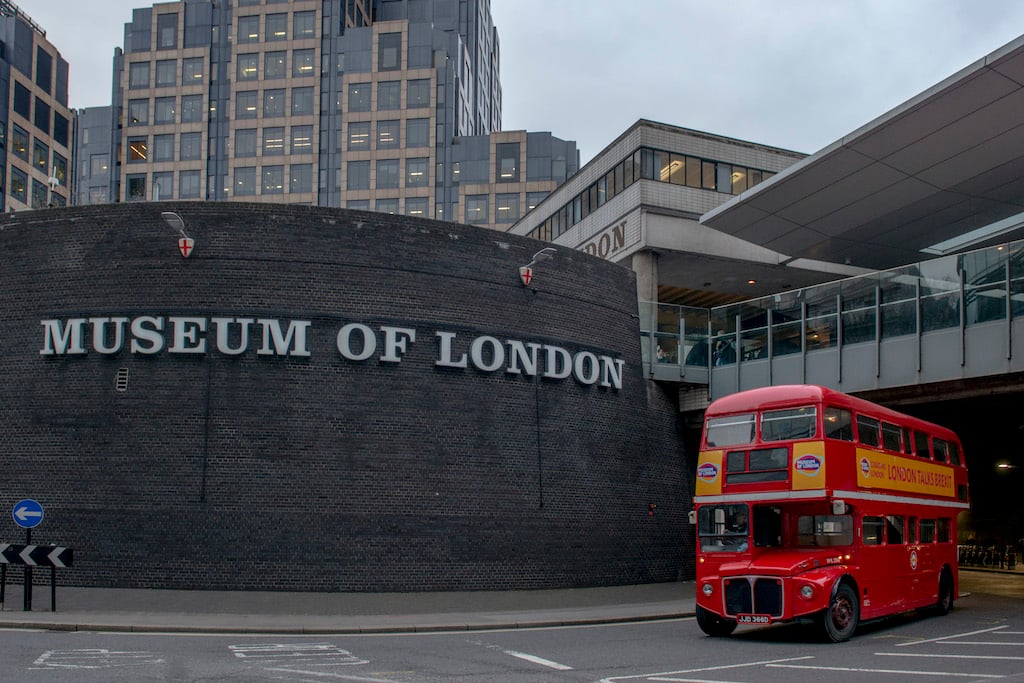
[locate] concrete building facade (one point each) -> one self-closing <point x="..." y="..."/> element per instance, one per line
<point x="35" y="121"/>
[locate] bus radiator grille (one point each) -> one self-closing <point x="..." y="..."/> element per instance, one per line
<point x="749" y="595"/>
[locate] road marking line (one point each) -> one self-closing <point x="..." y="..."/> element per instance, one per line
<point x="907" y="654"/>
<point x="342" y="677"/>
<point x="538" y="660"/>
<point x="956" y="635"/>
<point x="661" y="675"/>
<point x="947" y="674"/>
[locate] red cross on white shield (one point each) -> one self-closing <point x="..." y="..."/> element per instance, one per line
<point x="526" y="274"/>
<point x="185" y="246"/>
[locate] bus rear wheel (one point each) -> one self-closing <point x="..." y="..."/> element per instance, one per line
<point x="945" y="601"/>
<point x="714" y="625"/>
<point x="839" y="620"/>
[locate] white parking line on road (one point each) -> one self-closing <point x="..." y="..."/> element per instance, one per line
<point x="93" y="658"/>
<point x="914" y="654"/>
<point x="955" y="635"/>
<point x="538" y="660"/>
<point x="328" y="674"/>
<point x="664" y="675"/>
<point x="901" y="672"/>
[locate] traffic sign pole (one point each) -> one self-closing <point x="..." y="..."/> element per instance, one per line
<point x="28" y="575"/>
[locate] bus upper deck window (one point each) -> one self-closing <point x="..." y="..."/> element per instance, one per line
<point x="921" y="445"/>
<point x="954" y="453"/>
<point x="867" y="431"/>
<point x="732" y="430"/>
<point x="890" y="437"/>
<point x="789" y="424"/>
<point x="838" y="424"/>
<point x="940" y="449"/>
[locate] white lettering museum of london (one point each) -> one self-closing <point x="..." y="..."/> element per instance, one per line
<point x="357" y="342"/>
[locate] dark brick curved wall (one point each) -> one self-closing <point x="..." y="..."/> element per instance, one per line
<point x="319" y="473"/>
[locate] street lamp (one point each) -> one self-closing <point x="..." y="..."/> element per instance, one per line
<point x="185" y="243"/>
<point x="54" y="182"/>
<point x="526" y="272"/>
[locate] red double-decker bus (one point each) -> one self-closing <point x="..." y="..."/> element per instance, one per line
<point x="813" y="504"/>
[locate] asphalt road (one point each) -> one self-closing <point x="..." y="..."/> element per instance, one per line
<point x="981" y="640"/>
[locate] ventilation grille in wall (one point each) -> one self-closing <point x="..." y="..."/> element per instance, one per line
<point x="121" y="379"/>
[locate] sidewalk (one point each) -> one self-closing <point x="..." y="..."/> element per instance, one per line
<point x="146" y="610"/>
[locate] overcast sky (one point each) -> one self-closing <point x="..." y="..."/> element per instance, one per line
<point x="797" y="74"/>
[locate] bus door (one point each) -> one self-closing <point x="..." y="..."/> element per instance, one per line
<point x="884" y="567"/>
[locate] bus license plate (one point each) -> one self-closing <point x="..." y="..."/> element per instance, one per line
<point x="753" y="619"/>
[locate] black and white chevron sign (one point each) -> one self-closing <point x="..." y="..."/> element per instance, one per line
<point x="36" y="555"/>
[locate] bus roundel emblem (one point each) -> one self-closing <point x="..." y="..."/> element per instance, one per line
<point x="808" y="464"/>
<point x="707" y="472"/>
<point x="865" y="466"/>
<point x="913" y="559"/>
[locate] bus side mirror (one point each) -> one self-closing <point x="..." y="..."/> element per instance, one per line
<point x="838" y="507"/>
<point x="692" y="516"/>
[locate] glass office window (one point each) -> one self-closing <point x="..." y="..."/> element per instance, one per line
<point x="417" y="172"/>
<point x="358" y="175"/>
<point x="302" y="139"/>
<point x="245" y="181"/>
<point x="136" y="190"/>
<point x="138" y="112"/>
<point x="191" y="108"/>
<point x="304" y="25"/>
<point x="166" y="73"/>
<point x="188" y="184"/>
<point x="163" y="148"/>
<point x="163" y="185"/>
<point x="359" y="135"/>
<point x="245" y="143"/>
<point x="190" y="146"/>
<point x="507" y="162"/>
<point x="506" y="208"/>
<point x="163" y="110"/>
<point x="247" y="67"/>
<point x="303" y="62"/>
<point x="19" y="142"/>
<point x="389" y="95"/>
<point x="387" y="173"/>
<point x="273" y="102"/>
<point x="277" y="27"/>
<point x="389" y="134"/>
<point x="417" y="133"/>
<point x="386" y="206"/>
<point x="300" y="178"/>
<point x="418" y="94"/>
<point x="275" y="64"/>
<point x="138" y="75"/>
<point x="477" y="209"/>
<point x="416" y="206"/>
<point x="19" y="185"/>
<point x="302" y="101"/>
<point x="389" y="51"/>
<point x="246" y="104"/>
<point x="273" y="180"/>
<point x="167" y="31"/>
<point x="192" y="70"/>
<point x="273" y="141"/>
<point x="359" y="97"/>
<point x="138" y="149"/>
<point x="249" y="29"/>
<point x="41" y="156"/>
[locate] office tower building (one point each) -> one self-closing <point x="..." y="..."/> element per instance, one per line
<point x="390" y="106"/>
<point x="35" y="122"/>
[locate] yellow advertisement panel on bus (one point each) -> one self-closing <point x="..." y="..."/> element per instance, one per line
<point x="882" y="471"/>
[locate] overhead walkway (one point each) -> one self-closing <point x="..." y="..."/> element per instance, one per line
<point x="951" y="318"/>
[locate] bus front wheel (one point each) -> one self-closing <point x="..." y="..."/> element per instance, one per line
<point x="714" y="625"/>
<point x="839" y="620"/>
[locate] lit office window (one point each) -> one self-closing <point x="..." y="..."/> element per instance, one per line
<point x="248" y="67"/>
<point x="359" y="135"/>
<point x="277" y="27"/>
<point x="302" y="139"/>
<point x="416" y="172"/>
<point x="273" y="180"/>
<point x="274" y="64"/>
<point x="303" y="62"/>
<point x="359" y="97"/>
<point x="249" y="29"/>
<point x="389" y="134"/>
<point x="301" y="178"/>
<point x="416" y="206"/>
<point x="138" y="149"/>
<point x="273" y="141"/>
<point x="506" y="208"/>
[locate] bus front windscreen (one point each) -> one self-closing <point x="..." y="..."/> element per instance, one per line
<point x="723" y="528"/>
<point x="732" y="430"/>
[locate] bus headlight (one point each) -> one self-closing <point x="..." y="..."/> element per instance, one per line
<point x="707" y="589"/>
<point x="807" y="592"/>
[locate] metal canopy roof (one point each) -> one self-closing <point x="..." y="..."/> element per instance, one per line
<point x="941" y="165"/>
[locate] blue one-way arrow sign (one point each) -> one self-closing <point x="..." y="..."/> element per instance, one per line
<point x="27" y="513"/>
